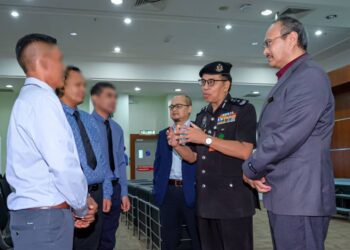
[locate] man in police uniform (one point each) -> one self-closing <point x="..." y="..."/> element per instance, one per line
<point x="222" y="137"/>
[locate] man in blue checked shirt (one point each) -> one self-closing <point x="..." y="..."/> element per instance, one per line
<point x="104" y="98"/>
<point x="93" y="160"/>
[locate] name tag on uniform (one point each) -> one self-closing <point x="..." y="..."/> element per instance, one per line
<point x="227" y="118"/>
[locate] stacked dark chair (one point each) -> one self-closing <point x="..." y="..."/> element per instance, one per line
<point x="5" y="236"/>
<point x="144" y="217"/>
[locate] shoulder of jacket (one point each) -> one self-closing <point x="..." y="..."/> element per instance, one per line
<point x="239" y="102"/>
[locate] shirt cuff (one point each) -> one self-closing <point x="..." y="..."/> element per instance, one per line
<point x="81" y="212"/>
<point x="124" y="191"/>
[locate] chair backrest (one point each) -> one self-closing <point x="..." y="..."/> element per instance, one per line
<point x="5" y="190"/>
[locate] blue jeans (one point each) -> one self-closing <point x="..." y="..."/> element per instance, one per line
<point x="46" y="229"/>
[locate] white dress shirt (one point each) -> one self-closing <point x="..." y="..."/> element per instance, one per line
<point x="43" y="166"/>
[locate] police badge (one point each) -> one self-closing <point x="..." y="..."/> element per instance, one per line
<point x="219" y="68"/>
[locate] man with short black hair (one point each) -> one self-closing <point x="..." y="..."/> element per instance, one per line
<point x="43" y="166"/>
<point x="292" y="164"/>
<point x="92" y="158"/>
<point x="104" y="97"/>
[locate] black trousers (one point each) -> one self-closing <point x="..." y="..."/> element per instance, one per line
<point x="173" y="214"/>
<point x="298" y="232"/>
<point x="226" y="234"/>
<point x="89" y="238"/>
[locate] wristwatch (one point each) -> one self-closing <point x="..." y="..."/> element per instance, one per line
<point x="208" y="141"/>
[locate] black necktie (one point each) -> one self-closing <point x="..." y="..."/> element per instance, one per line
<point x="90" y="154"/>
<point x="110" y="145"/>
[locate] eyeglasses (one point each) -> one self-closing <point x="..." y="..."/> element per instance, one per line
<point x="267" y="43"/>
<point x="210" y="82"/>
<point x="178" y="106"/>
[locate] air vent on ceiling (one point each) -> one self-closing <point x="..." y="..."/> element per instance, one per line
<point x="6" y="90"/>
<point x="296" y="12"/>
<point x="150" y="4"/>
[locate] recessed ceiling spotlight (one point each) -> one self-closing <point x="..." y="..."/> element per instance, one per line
<point x="255" y="92"/>
<point x="266" y="12"/>
<point x="318" y="32"/>
<point x="9" y="86"/>
<point x="178" y="90"/>
<point x="14" y="14"/>
<point x="255" y="43"/>
<point x="117" y="49"/>
<point x="73" y="34"/>
<point x="200" y="53"/>
<point x="127" y="20"/>
<point x="117" y="2"/>
<point x="137" y="89"/>
<point x="224" y="8"/>
<point x="228" y="26"/>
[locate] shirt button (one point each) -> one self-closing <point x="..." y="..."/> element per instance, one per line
<point x="231" y="185"/>
<point x="203" y="185"/>
<point x="204" y="157"/>
<point x="203" y="171"/>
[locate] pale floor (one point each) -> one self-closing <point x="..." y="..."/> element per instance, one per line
<point x="338" y="235"/>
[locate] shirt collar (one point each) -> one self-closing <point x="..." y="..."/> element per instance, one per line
<point x="223" y="105"/>
<point x="187" y="123"/>
<point x="99" y="117"/>
<point x="283" y="70"/>
<point x="68" y="109"/>
<point x="37" y="82"/>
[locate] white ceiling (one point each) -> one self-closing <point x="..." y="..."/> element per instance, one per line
<point x="189" y="25"/>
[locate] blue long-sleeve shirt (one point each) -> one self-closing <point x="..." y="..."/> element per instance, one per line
<point x="118" y="150"/>
<point x="100" y="174"/>
<point x="43" y="166"/>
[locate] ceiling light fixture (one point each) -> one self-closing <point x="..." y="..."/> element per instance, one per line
<point x="318" y="32"/>
<point x="127" y="20"/>
<point x="9" y="86"/>
<point x="200" y="53"/>
<point x="255" y="43"/>
<point x="14" y="14"/>
<point x="266" y="12"/>
<point x="73" y="34"/>
<point x="330" y="17"/>
<point x="255" y="92"/>
<point x="178" y="90"/>
<point x="117" y="2"/>
<point x="137" y="89"/>
<point x="117" y="49"/>
<point x="228" y="26"/>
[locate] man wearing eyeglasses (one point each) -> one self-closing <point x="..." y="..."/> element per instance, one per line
<point x="292" y="164"/>
<point x="174" y="182"/>
<point x="222" y="137"/>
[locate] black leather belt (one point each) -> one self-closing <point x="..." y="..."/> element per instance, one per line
<point x="93" y="187"/>
<point x="176" y="183"/>
<point x="115" y="182"/>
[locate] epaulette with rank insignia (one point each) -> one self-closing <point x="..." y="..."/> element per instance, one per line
<point x="239" y="101"/>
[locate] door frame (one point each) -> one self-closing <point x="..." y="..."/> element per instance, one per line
<point x="133" y="138"/>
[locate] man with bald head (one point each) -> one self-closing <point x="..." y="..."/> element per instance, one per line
<point x="174" y="182"/>
<point x="43" y="168"/>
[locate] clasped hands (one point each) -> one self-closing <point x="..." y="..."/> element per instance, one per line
<point x="185" y="134"/>
<point x="89" y="218"/>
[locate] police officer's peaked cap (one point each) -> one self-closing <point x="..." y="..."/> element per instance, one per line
<point x="216" y="68"/>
